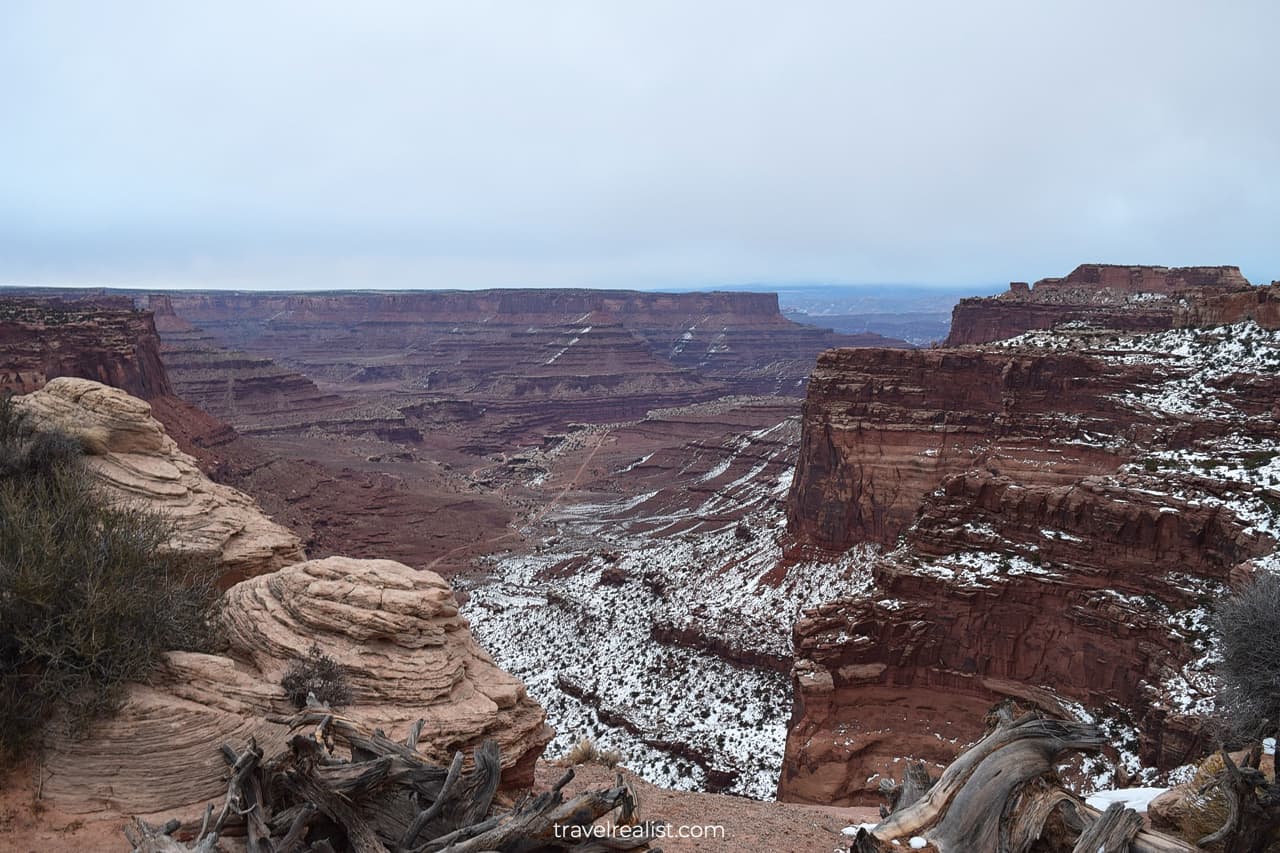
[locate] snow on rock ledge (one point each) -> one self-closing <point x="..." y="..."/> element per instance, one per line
<point x="396" y="631"/>
<point x="136" y="461"/>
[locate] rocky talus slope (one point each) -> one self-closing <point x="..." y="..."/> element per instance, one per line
<point x="1059" y="512"/>
<point x="1129" y="298"/>
<point x="396" y="631"/>
<point x="137" y="462"/>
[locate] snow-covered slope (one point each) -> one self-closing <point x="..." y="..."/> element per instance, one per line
<point x="672" y="648"/>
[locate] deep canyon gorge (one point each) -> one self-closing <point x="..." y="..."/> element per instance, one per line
<point x="752" y="556"/>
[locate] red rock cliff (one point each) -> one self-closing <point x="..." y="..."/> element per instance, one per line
<point x="1060" y="516"/>
<point x="443" y="339"/>
<point x="884" y="427"/>
<point x="105" y="340"/>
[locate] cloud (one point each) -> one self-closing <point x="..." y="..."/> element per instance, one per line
<point x="629" y="144"/>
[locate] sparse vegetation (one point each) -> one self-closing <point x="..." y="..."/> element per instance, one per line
<point x="90" y="592"/>
<point x="317" y="674"/>
<point x="585" y="751"/>
<point x="1248" y="624"/>
<point x="1254" y="461"/>
<point x="1234" y="805"/>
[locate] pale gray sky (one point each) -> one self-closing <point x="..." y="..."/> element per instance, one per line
<point x="693" y="143"/>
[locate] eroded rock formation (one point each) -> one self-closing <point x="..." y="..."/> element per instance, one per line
<point x="137" y="462"/>
<point x="1127" y="298"/>
<point x="533" y="358"/>
<point x="396" y="632"/>
<point x="1058" y="514"/>
<point x="884" y="427"/>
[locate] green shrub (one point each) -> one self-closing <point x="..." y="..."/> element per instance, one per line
<point x="90" y="594"/>
<point x="319" y="675"/>
<point x="1254" y="461"/>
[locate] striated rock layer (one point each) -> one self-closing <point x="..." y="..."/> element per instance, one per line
<point x="104" y="339"/>
<point x="884" y="427"/>
<point x="456" y="340"/>
<point x="1127" y="298"/>
<point x="396" y="632"/>
<point x="1062" y="512"/>
<point x="137" y="462"/>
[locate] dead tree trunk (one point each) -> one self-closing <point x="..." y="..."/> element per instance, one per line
<point x="1253" y="806"/>
<point x="1003" y="795"/>
<point x="382" y="797"/>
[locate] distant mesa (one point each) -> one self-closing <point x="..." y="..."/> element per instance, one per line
<point x="1123" y="298"/>
<point x="533" y="360"/>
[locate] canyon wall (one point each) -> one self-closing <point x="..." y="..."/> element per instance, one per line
<point x="454" y="339"/>
<point x="1125" y="298"/>
<point x="882" y="428"/>
<point x="1057" y="516"/>
<point x="104" y="339"/>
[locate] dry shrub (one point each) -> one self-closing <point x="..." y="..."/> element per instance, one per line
<point x="90" y="593"/>
<point x="585" y="751"/>
<point x="316" y="675"/>
<point x="1248" y="624"/>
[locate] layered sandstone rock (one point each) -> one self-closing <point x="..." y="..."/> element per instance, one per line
<point x="1260" y="304"/>
<point x="137" y="462"/>
<point x="105" y="339"/>
<point x="257" y="395"/>
<point x="1063" y="511"/>
<point x="396" y="632"/>
<point x="1127" y="298"/>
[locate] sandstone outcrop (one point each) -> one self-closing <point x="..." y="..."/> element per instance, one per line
<point x="137" y="462"/>
<point x="1125" y="298"/>
<point x="396" y="632"/>
<point x="1062" y="512"/>
<point x="105" y="339"/>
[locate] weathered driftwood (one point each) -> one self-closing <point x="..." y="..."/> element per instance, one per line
<point x="1003" y="795"/>
<point x="339" y="787"/>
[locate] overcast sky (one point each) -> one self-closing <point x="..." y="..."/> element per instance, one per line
<point x="650" y="144"/>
